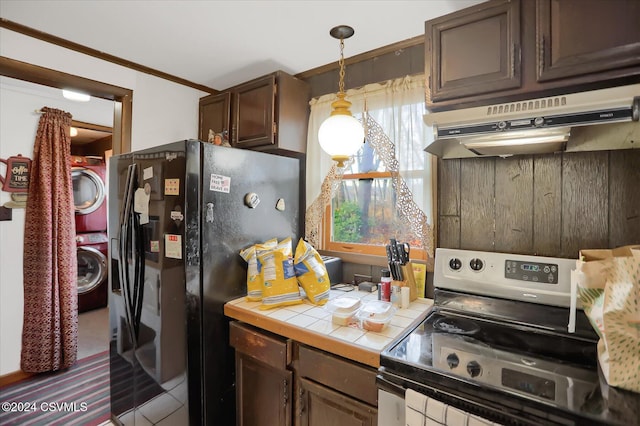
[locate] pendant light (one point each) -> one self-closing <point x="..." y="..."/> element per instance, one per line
<point x="341" y="135"/>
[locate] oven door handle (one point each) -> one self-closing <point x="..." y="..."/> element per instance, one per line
<point x="389" y="386"/>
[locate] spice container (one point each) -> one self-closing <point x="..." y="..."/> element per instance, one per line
<point x="343" y="309"/>
<point x="374" y="315"/>
<point x="385" y="285"/>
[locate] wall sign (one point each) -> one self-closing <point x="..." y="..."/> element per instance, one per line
<point x="17" y="175"/>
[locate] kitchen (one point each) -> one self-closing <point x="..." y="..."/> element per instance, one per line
<point x="454" y="205"/>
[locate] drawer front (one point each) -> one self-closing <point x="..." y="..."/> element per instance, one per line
<point x="337" y="373"/>
<point x="260" y="345"/>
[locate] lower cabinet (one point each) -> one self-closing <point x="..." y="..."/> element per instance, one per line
<point x="282" y="382"/>
<point x="331" y="390"/>
<point x="320" y="406"/>
<point x="263" y="393"/>
<point x="263" y="381"/>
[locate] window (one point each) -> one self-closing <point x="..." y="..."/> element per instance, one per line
<point x="363" y="213"/>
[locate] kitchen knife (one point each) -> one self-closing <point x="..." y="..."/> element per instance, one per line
<point x="405" y="251"/>
<point x="395" y="253"/>
<point x="391" y="261"/>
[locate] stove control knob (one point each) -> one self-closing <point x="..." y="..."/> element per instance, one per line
<point x="476" y="264"/>
<point x="455" y="264"/>
<point x="474" y="369"/>
<point x="453" y="361"/>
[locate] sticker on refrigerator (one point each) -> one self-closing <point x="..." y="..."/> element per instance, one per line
<point x="172" y="187"/>
<point x="154" y="246"/>
<point x="173" y="246"/>
<point x="220" y="183"/>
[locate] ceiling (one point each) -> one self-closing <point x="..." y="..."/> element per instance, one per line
<point x="219" y="44"/>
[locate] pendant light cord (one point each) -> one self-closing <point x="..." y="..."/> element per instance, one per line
<point x="341" y="63"/>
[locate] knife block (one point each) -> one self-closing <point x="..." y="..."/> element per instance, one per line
<point x="409" y="281"/>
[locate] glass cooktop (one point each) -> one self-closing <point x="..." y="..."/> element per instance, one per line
<point x="452" y="350"/>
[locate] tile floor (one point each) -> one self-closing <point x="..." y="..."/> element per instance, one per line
<point x="166" y="409"/>
<point x="93" y="332"/>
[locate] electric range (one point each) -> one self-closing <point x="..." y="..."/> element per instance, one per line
<point x="507" y="342"/>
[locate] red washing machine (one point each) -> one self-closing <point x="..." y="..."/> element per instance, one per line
<point x="93" y="270"/>
<point x="89" y="193"/>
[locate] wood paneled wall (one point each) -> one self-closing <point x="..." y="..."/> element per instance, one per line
<point x="547" y="205"/>
<point x="373" y="67"/>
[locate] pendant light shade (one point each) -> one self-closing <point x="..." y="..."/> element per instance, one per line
<point x="341" y="135"/>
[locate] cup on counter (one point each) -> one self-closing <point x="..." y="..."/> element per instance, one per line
<point x="405" y="294"/>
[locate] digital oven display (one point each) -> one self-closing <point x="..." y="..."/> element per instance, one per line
<point x="527" y="383"/>
<point x="530" y="267"/>
<point x="544" y="273"/>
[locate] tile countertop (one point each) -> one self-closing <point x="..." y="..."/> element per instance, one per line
<point x="312" y="325"/>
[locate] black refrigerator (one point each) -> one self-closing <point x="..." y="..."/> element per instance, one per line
<point x="178" y="216"/>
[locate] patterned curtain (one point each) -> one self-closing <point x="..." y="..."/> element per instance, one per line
<point x="50" y="326"/>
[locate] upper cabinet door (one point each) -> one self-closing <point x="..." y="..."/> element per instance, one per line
<point x="577" y="37"/>
<point x="474" y="51"/>
<point x="214" y="115"/>
<point x="253" y="105"/>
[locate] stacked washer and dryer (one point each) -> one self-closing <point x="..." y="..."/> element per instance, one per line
<point x="89" y="196"/>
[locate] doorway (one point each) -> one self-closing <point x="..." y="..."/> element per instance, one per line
<point x="120" y="132"/>
<point x="91" y="148"/>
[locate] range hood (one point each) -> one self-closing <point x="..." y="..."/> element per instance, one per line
<point x="543" y="125"/>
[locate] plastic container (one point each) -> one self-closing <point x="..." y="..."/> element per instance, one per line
<point x="375" y="315"/>
<point x="343" y="309"/>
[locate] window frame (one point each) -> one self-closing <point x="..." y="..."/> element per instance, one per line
<point x="417" y="253"/>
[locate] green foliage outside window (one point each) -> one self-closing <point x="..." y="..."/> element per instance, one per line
<point x="347" y="222"/>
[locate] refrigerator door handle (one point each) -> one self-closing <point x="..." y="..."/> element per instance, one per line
<point x="140" y="271"/>
<point x="126" y="250"/>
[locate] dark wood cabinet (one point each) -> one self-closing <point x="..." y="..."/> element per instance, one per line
<point x="269" y="113"/>
<point x="474" y="51"/>
<point x="577" y="37"/>
<point x="320" y="406"/>
<point x="283" y="382"/>
<point x="508" y="50"/>
<point x="253" y="112"/>
<point x="214" y="115"/>
<point x="266" y="393"/>
<point x="331" y="390"/>
<point x="263" y="382"/>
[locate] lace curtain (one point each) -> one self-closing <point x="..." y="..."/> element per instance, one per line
<point x="397" y="107"/>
